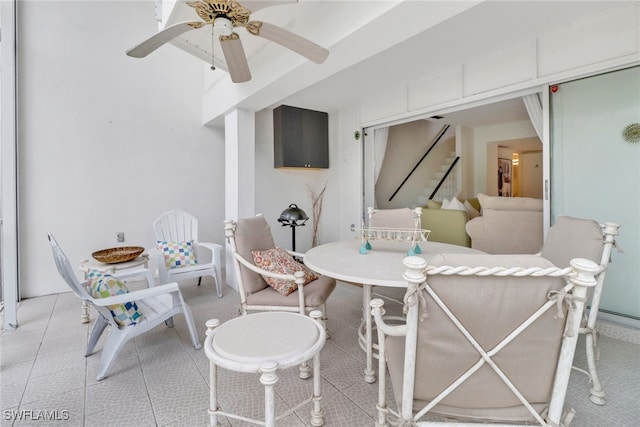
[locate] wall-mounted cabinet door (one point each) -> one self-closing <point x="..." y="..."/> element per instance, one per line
<point x="301" y="138"/>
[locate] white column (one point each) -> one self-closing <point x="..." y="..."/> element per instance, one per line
<point x="9" y="167"/>
<point x="239" y="153"/>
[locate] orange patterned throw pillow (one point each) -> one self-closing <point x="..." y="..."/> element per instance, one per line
<point x="278" y="260"/>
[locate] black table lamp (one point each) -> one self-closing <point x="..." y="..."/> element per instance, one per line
<point x="293" y="217"/>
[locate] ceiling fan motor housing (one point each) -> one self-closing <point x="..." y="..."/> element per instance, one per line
<point x="223" y="26"/>
<point x="211" y="10"/>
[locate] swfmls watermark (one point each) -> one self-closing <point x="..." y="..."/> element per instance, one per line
<point x="35" y="415"/>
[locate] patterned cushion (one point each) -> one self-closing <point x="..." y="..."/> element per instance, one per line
<point x="178" y="254"/>
<point x="278" y="260"/>
<point x="103" y="285"/>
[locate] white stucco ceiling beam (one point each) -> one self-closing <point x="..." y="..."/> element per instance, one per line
<point x="166" y="10"/>
<point x="350" y="38"/>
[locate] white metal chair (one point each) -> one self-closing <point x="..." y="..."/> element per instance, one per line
<point x="157" y="304"/>
<point x="395" y="218"/>
<point x="398" y="218"/>
<point x="487" y="338"/>
<point x="570" y="238"/>
<point x="180" y="226"/>
<point x="254" y="234"/>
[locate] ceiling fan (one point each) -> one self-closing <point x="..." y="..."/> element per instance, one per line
<point x="225" y="16"/>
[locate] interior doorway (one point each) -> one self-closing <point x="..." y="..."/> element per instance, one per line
<point x="514" y="168"/>
<point x="477" y="131"/>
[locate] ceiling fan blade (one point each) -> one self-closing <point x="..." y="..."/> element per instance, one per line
<point x="162" y="37"/>
<point x="255" y="5"/>
<point x="235" y="58"/>
<point x="296" y="43"/>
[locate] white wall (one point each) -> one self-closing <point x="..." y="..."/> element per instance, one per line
<point x="107" y="142"/>
<point x="406" y="145"/>
<point x="465" y="146"/>
<point x="531" y="181"/>
<point x="350" y="203"/>
<point x="276" y="189"/>
<point x="483" y="149"/>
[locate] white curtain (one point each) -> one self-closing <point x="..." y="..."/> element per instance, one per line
<point x="380" y="137"/>
<point x="534" y="108"/>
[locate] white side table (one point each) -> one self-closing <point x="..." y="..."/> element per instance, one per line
<point x="264" y="343"/>
<point x="91" y="264"/>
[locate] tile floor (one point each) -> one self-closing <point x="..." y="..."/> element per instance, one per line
<point x="160" y="380"/>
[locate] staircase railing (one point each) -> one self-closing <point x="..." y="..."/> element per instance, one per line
<point x="444" y="177"/>
<point x="433" y="144"/>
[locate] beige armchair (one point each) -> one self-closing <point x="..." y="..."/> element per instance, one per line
<point x="508" y="225"/>
<point x="254" y="234"/>
<point x="570" y="238"/>
<point x="486" y="338"/>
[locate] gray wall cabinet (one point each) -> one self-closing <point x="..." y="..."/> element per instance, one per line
<point x="300" y="137"/>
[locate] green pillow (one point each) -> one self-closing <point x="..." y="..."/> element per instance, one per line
<point x="432" y="204"/>
<point x="475" y="203"/>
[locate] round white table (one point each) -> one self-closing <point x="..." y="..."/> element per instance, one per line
<point x="264" y="343"/>
<point x="380" y="266"/>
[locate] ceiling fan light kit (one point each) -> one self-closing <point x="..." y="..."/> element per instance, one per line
<point x="225" y="16"/>
<point x="223" y="26"/>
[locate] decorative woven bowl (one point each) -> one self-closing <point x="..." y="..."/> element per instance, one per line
<point x="116" y="255"/>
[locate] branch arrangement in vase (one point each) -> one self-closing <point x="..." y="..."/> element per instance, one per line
<point x="316" y="208"/>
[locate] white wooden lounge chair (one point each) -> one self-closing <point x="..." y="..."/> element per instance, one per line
<point x="156" y="305"/>
<point x="180" y="228"/>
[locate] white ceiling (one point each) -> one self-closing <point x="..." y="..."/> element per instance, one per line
<point x="370" y="49"/>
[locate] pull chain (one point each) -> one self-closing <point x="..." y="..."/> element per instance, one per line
<point x="213" y="43"/>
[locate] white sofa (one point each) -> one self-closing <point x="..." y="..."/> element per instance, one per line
<point x="508" y="225"/>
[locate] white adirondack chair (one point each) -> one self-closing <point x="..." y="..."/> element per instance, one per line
<point x="179" y="226"/>
<point x="158" y="304"/>
<point x="487" y="337"/>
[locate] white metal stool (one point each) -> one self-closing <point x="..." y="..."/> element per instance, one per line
<point x="264" y="343"/>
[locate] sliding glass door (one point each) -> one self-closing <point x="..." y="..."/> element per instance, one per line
<point x="595" y="170"/>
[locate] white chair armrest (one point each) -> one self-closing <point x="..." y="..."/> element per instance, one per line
<point x="213" y="250"/>
<point x="157" y="255"/>
<point x="296" y="254"/>
<point x="140" y="272"/>
<point x="137" y="295"/>
<point x="298" y="278"/>
<point x="210" y="246"/>
<point x="391" y="330"/>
